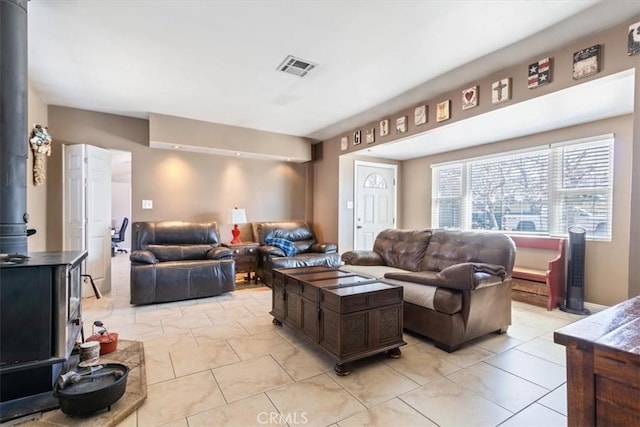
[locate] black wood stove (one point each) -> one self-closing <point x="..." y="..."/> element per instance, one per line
<point x="40" y="320"/>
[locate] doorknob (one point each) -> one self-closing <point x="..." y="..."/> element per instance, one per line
<point x="359" y="226"/>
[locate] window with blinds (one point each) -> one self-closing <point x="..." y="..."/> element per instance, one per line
<point x="541" y="191"/>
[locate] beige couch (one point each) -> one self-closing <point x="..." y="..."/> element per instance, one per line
<point x="457" y="284"/>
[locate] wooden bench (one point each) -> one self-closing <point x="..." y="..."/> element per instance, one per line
<point x="539" y="273"/>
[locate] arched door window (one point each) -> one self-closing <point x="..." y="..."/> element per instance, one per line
<point x="375" y="180"/>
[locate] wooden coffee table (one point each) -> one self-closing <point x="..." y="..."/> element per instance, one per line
<point x="347" y="315"/>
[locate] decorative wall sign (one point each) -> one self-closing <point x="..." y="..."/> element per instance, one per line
<point x="344" y="143"/>
<point x="633" y="41"/>
<point x="586" y="62"/>
<point x="401" y="124"/>
<point x="420" y="115"/>
<point x="442" y="111"/>
<point x="470" y="98"/>
<point x="539" y="73"/>
<point x="371" y="136"/>
<point x="501" y="91"/>
<point x="384" y="127"/>
<point x="357" y="135"/>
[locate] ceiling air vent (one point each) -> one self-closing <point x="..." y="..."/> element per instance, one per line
<point x="296" y="66"/>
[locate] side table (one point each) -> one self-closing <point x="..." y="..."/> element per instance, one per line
<point x="245" y="255"/>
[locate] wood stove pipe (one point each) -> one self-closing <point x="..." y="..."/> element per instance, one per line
<point x="13" y="127"/>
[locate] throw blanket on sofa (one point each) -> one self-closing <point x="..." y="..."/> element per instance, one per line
<point x="287" y="246"/>
<point x="463" y="276"/>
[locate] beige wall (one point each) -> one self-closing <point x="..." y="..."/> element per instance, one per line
<point x="183" y="185"/>
<point x="325" y="192"/>
<point x="36" y="195"/>
<point x="613" y="272"/>
<point x="199" y="134"/>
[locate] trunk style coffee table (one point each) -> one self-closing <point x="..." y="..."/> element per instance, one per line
<point x="349" y="316"/>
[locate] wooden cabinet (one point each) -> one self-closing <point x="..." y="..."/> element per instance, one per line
<point x="603" y="367"/>
<point x="245" y="255"/>
<point x="349" y="316"/>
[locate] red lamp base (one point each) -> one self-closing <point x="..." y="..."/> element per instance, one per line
<point x="236" y="235"/>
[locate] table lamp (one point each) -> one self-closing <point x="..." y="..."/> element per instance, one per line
<point x="237" y="216"/>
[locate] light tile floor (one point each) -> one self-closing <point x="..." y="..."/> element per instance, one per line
<point x="221" y="362"/>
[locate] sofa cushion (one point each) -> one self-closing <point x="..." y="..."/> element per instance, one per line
<point x="219" y="253"/>
<point x="448" y="247"/>
<point x="143" y="257"/>
<point x="403" y="249"/>
<point x="415" y="293"/>
<point x="307" y="260"/>
<point x="298" y="232"/>
<point x="174" y="233"/>
<point x="447" y="301"/>
<point x="463" y="276"/>
<point x="375" y="271"/>
<point x="287" y="246"/>
<point x="179" y="252"/>
<point x="362" y="257"/>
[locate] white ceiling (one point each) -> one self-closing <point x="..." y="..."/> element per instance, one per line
<point x="216" y="60"/>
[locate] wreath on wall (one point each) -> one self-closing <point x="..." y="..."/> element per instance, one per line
<point x="40" y="142"/>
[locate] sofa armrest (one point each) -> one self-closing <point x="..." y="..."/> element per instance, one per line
<point x="362" y="258"/>
<point x="219" y="253"/>
<point x="143" y="257"/>
<point x="326" y="248"/>
<point x="464" y="276"/>
<point x="271" y="250"/>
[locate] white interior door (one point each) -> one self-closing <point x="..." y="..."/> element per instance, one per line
<point x="99" y="216"/>
<point x="74" y="203"/>
<point x="87" y="211"/>
<point x="375" y="196"/>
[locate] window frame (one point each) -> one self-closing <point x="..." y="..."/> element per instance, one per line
<point x="555" y="191"/>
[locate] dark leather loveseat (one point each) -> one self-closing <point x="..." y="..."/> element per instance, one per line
<point x="175" y="260"/>
<point x="457" y="284"/>
<point x="300" y="233"/>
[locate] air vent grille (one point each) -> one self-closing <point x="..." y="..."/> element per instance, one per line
<point x="296" y="66"/>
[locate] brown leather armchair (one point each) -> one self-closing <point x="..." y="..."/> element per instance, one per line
<point x="175" y="260"/>
<point x="308" y="251"/>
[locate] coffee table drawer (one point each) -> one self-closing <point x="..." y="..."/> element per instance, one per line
<point x="360" y="297"/>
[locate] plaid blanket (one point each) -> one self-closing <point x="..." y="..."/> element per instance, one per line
<point x="287" y="246"/>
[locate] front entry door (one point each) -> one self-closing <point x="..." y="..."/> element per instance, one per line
<point x="375" y="196"/>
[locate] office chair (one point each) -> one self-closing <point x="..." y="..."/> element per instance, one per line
<point x="119" y="238"/>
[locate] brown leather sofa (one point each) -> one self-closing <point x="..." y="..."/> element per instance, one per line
<point x="457" y="284"/>
<point x="308" y="251"/>
<point x="175" y="260"/>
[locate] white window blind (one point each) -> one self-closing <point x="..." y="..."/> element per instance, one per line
<point x="542" y="191"/>
<point x="448" y="193"/>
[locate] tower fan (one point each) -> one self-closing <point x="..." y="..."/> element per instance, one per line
<point x="574" y="300"/>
